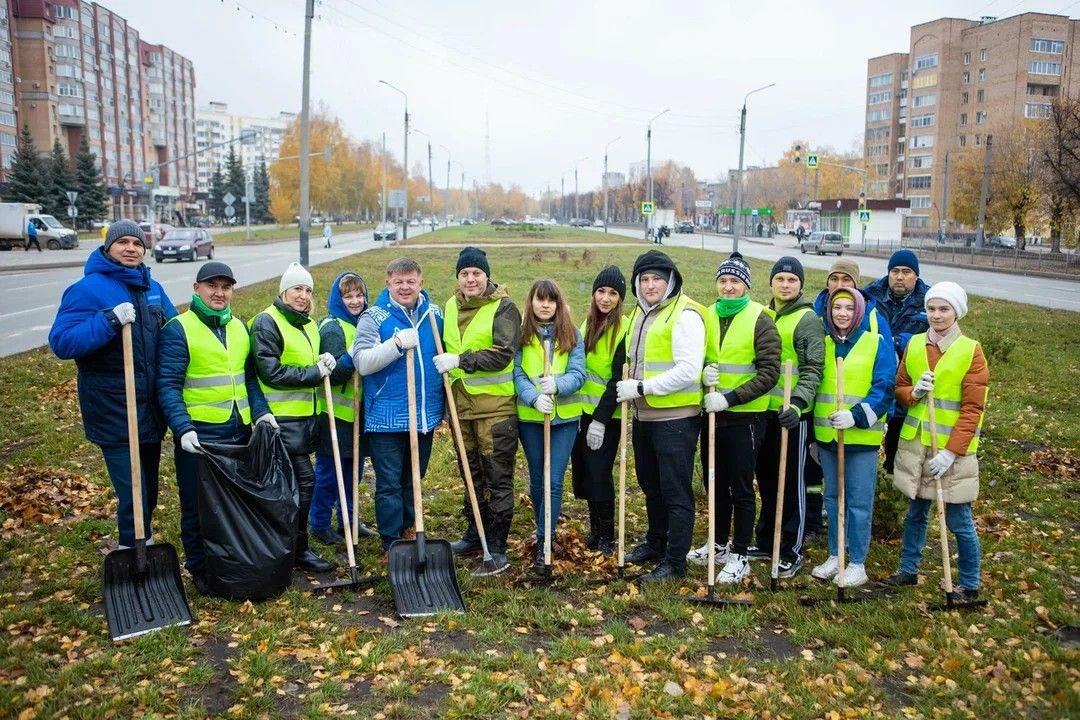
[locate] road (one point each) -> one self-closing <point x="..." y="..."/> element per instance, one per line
<point x="1040" y="291"/>
<point x="29" y="299"/>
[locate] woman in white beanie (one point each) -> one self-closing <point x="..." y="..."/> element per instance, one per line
<point x="285" y="342"/>
<point x="951" y="365"/>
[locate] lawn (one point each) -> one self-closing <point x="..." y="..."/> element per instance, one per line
<point x="578" y="649"/>
<point x="265" y="233"/>
<point x="516" y="234"/>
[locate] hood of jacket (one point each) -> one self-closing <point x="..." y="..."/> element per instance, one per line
<point x="335" y="305"/>
<point x="101" y="264"/>
<point x="801" y="301"/>
<point x="493" y="292"/>
<point x="658" y="261"/>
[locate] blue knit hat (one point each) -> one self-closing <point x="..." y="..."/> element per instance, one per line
<point x="904" y="258"/>
<point x="124" y="228"/>
<point x="735" y="266"/>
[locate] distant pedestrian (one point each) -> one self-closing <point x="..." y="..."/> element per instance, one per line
<point x="327" y="234"/>
<point x="760" y="229"/>
<point x="31" y="236"/>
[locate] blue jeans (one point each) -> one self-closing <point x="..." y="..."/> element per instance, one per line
<point x="960" y="522"/>
<point x="118" y="464"/>
<point x="393" y="480"/>
<point x="860" y="478"/>
<point x="324" y="499"/>
<point x="562" y="443"/>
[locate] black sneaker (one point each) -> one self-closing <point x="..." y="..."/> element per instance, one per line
<point x="200" y="583"/>
<point x="900" y="578"/>
<point x="327" y="536"/>
<point x="605" y="546"/>
<point x="644" y="553"/>
<point x="755" y="553"/>
<point x="962" y="595"/>
<point x="592" y="540"/>
<point x="538" y="557"/>
<point x="466" y="546"/>
<point x="788" y="568"/>
<point x="662" y="572"/>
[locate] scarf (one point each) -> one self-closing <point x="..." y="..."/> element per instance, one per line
<point x="945" y="338"/>
<point x="223" y="316"/>
<point x="726" y="307"/>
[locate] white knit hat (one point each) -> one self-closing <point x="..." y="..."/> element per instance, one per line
<point x="951" y="293"/>
<point x="295" y="275"/>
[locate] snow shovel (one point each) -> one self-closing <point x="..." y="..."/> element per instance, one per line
<point x="488" y="566"/>
<point x="946" y="560"/>
<point x="710" y="597"/>
<point x="781" y="481"/>
<point x="354" y="580"/>
<point x="422" y="576"/>
<point x="545" y="575"/>
<point x="142" y="586"/>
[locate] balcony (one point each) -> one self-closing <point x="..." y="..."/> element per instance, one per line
<point x="71" y="120"/>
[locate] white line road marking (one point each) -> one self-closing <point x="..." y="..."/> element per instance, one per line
<point x="28" y="310"/>
<point x="35" y="328"/>
<point x="35" y="285"/>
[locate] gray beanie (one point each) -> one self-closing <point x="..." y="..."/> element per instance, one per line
<point x="124" y="228"/>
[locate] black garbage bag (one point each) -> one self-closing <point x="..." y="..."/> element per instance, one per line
<point x="248" y="501"/>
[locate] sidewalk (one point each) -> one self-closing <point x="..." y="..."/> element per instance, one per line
<point x="19" y="260"/>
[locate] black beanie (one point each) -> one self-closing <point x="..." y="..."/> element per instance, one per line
<point x="611" y="277"/>
<point x="737" y="267"/>
<point x="788" y="264"/>
<point x="473" y="257"/>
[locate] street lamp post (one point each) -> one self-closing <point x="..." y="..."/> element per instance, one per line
<point x="648" y="159"/>
<point x="604" y="181"/>
<point x="405" y="224"/>
<point x="576" y="215"/>
<point x="446" y="195"/>
<point x="738" y="188"/>
<point x="430" y="182"/>
<point x="305" y="138"/>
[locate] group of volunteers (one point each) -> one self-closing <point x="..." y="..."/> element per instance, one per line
<point x="209" y="377"/>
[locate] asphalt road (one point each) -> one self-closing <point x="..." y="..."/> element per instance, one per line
<point x="29" y="299"/>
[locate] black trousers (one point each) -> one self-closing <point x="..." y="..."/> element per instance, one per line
<point x="793" y="523"/>
<point x="664" y="459"/>
<point x="305" y="483"/>
<point x="814" y="480"/>
<point x="736" y="452"/>
<point x="892" y="440"/>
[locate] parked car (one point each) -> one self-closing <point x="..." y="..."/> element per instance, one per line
<point x="501" y="221"/>
<point x="467" y="221"/>
<point x="1001" y="241"/>
<point x="414" y="223"/>
<point x="580" y="222"/>
<point x="199" y="222"/>
<point x="684" y="226"/>
<point x="184" y="244"/>
<point x="823" y="241"/>
<point x="154" y="232"/>
<point x="431" y="222"/>
<point x="385" y="231"/>
<point x="598" y="223"/>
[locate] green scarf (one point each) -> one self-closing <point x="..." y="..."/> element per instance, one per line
<point x="223" y="316"/>
<point x="726" y="307"/>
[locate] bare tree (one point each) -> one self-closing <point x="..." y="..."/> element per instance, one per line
<point x="1061" y="154"/>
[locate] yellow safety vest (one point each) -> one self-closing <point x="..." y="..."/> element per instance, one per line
<point x="659" y="354"/>
<point x="301" y="349"/>
<point x="858" y="379"/>
<point x="948" y="390"/>
<point x="567" y="407"/>
<point x="343" y="394"/>
<point x="737" y="357"/>
<point x="214" y="381"/>
<point x="786" y="327"/>
<point x="478" y="336"/>
<point x="598" y="366"/>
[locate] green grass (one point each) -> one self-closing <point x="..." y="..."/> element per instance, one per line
<point x="578" y="649"/>
<point x="265" y="234"/>
<point x="531" y="234"/>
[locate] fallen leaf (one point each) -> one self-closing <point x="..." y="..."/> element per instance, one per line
<point x="673" y="688"/>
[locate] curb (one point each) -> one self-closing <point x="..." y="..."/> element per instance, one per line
<point x="986" y="268"/>
<point x="41" y="266"/>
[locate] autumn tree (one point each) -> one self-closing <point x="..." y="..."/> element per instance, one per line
<point x="1060" y="152"/>
<point x="326" y="176"/>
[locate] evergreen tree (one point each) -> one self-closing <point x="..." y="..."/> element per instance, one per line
<point x="234" y="179"/>
<point x="260" y="210"/>
<point x="60" y="179"/>
<point x="88" y="182"/>
<point x="27" y="180"/>
<point x="215" y="204"/>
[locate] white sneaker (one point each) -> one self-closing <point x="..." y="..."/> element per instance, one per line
<point x="700" y="556"/>
<point x="854" y="576"/>
<point x="827" y="569"/>
<point x="736" y="568"/>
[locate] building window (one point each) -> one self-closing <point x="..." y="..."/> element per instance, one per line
<point x="982" y="74"/>
<point x="926" y="61"/>
<point x="922" y="120"/>
<point x="918" y="182"/>
<point x="7" y="139"/>
<point x="917" y="221"/>
<point x="963" y="119"/>
<point x="978" y="140"/>
<point x="919" y="202"/>
<point x="924" y="100"/>
<point x="69" y="109"/>
<point x="919" y="162"/>
<point x="1040" y="111"/>
<point x="882" y="169"/>
<point x="924" y="81"/>
<point x="1042" y="45"/>
<point x="881" y="80"/>
<point x="64" y="12"/>
<point x="963" y="98"/>
<point x="879" y="97"/>
<point x="67" y="51"/>
<point x="1043" y="90"/>
<point x="965" y="78"/>
<point x="967" y="58"/>
<point x="982" y="55"/>
<point x="876" y="115"/>
<point x="980" y="96"/>
<point x="963" y="141"/>
<point x="980" y="117"/>
<point x="1044" y="67"/>
<point x="7" y="97"/>
<point x="921" y="141"/>
<point x="7" y="118"/>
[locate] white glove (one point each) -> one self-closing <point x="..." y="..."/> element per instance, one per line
<point x="924" y="385"/>
<point x="544" y="404"/>
<point x="189" y="442"/>
<point x="715" y="402"/>
<point x="842" y="420"/>
<point x="125" y="313"/>
<point x="407" y="338"/>
<point x="547" y="385"/>
<point x="446" y="362"/>
<point x="267" y="418"/>
<point x="626" y="390"/>
<point x="594" y="436"/>
<point x="940" y="463"/>
<point x="329" y="361"/>
<point x="711" y="375"/>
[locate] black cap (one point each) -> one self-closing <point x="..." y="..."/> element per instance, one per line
<point x="214" y="270"/>
<point x="611" y="277"/>
<point x="788" y="264"/>
<point x="473" y="257"/>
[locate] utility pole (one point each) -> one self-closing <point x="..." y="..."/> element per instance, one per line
<point x="575" y="191"/>
<point x="648" y="165"/>
<point x="738" y="188"/>
<point x="944" y="201"/>
<point x="562" y="198"/>
<point x="604" y="183"/>
<point x="430" y="184"/>
<point x="817" y="178"/>
<point x="384" y="199"/>
<point x="984" y="194"/>
<point x="305" y="139"/>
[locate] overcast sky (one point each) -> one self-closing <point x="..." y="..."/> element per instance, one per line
<point x="557" y="79"/>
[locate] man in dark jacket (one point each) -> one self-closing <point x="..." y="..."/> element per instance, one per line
<point x="209" y="391"/>
<point x="116" y="290"/>
<point x="899" y="297"/>
<point x="285" y="341"/>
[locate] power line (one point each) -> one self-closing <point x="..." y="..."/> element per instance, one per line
<point x="257" y="15"/>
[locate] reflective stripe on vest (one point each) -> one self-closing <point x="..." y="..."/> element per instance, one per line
<point x="737" y="356"/>
<point x="478" y="336"/>
<point x="659" y="355"/>
<point x="301" y="349"/>
<point x="598" y="366"/>
<point x="214" y="381"/>
<point x="342" y="394"/>
<point x="949" y="374"/>
<point x="786" y="327"/>
<point x="858" y="379"/>
<point x="567" y="407"/>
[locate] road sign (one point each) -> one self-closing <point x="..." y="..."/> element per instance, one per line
<point x="811" y="161"/>
<point x="703" y="203"/>
<point x="248" y="136"/>
<point x="864" y="217"/>
<point x="72" y="196"/>
<point x="647" y="208"/>
<point x="72" y="210"/>
<point x="229" y="211"/>
<point x="229" y="199"/>
<point x="149" y="179"/>
<point x="249" y="192"/>
<point x="397" y="199"/>
<point x="754" y="211"/>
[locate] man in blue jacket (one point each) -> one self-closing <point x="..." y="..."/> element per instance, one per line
<point x="397" y="321"/>
<point x="899" y="297"/>
<point x="116" y="290"/>
<point x="209" y="391"/>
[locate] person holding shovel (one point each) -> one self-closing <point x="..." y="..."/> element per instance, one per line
<point x="209" y="392"/>
<point x="952" y="366"/>
<point x="482" y="333"/>
<point x="869" y="369"/>
<point x="116" y="290"/>
<point x="597" y="444"/>
<point x="285" y="342"/>
<point x="397" y="322"/>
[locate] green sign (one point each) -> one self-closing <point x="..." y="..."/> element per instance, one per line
<point x="864" y="217"/>
<point x="744" y="211"/>
<point x="811" y="161"/>
<point x="647" y="208"/>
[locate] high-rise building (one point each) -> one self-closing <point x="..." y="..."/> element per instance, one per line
<point x="214" y="124"/>
<point x="959" y="81"/>
<point x="8" y="121"/>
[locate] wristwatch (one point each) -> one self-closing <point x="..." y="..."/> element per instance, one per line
<point x="641" y="388"/>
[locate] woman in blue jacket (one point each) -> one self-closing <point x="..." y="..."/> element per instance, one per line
<point x="116" y="290"/>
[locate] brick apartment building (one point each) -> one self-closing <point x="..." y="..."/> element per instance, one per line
<point x="959" y="81"/>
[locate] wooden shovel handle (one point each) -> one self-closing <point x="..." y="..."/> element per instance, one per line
<point x="547" y="465"/>
<point x="355" y="520"/>
<point x="946" y="561"/>
<point x="781" y="480"/>
<point x="337" y="463"/>
<point x="841" y="541"/>
<point x="133" y="432"/>
<point x="414" y="443"/>
<point x="623" y="422"/>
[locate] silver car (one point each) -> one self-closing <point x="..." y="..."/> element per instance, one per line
<point x="385" y="231"/>
<point x="823" y="241"/>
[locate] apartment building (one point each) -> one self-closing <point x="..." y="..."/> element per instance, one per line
<point x="8" y="122"/>
<point x="959" y="81"/>
<point x="214" y="124"/>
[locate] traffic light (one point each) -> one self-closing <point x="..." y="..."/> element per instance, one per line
<point x="798" y="157"/>
<point x="862" y="201"/>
